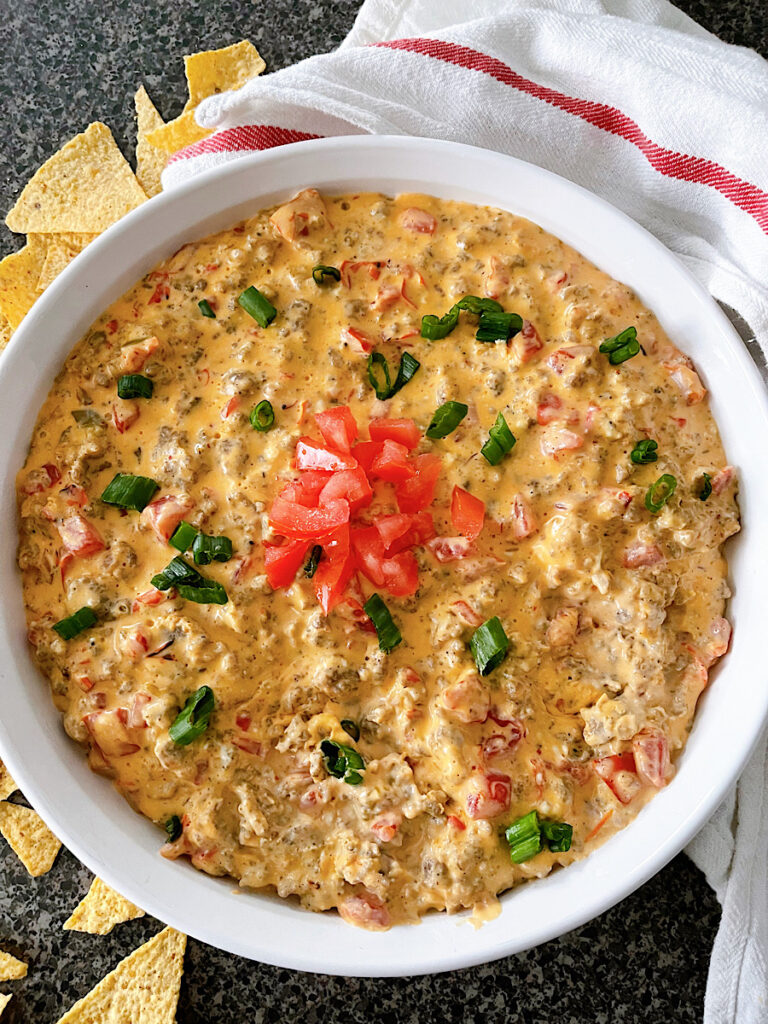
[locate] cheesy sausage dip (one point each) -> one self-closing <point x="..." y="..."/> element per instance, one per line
<point x="373" y="548"/>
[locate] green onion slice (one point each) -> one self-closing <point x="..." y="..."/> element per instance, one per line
<point x="134" y="385"/>
<point x="446" y="418"/>
<point x="558" y="835"/>
<point x="190" y="584"/>
<point x="498" y="326"/>
<point x="262" y="416"/>
<point x="386" y="630"/>
<point x="351" y="728"/>
<point x="621" y="347"/>
<point x="434" y="328"/>
<point x="127" y="491"/>
<point x="321" y="272"/>
<point x="205" y="308"/>
<point x="489" y="644"/>
<point x="211" y="593"/>
<point x="206" y="549"/>
<point x="173" y="828"/>
<point x="311" y="567"/>
<point x="501" y="441"/>
<point x="524" y="837"/>
<point x="82" y="619"/>
<point x="258" y="306"/>
<point x="182" y="536"/>
<point x="706" y="487"/>
<point x="342" y="762"/>
<point x="658" y="494"/>
<point x="473" y="304"/>
<point x="644" y="453"/>
<point x="193" y="719"/>
<point x="384" y="387"/>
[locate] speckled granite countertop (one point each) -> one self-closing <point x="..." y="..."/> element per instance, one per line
<point x="64" y="65"/>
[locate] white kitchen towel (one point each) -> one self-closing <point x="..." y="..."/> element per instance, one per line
<point x="633" y="100"/>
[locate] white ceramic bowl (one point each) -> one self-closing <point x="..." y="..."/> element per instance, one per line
<point x="119" y="845"/>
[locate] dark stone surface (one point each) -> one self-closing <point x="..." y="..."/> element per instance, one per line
<point x="64" y="65"/>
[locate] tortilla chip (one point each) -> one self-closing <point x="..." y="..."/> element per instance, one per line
<point x="11" y="968"/>
<point x="86" y="186"/>
<point x="100" y="910"/>
<point x="4" y="1000"/>
<point x="142" y="989"/>
<point x="214" y="71"/>
<point x="5" y="331"/>
<point x="19" y="274"/>
<point x="177" y="134"/>
<point x="61" y="250"/>
<point x="150" y="160"/>
<point x="7" y="785"/>
<point x="29" y="837"/>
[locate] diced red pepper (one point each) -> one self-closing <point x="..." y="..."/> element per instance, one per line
<point x="404" y="431"/>
<point x="79" y="537"/>
<point x="467" y="513"/>
<point x="311" y="454"/>
<point x="338" y="427"/>
<point x="351" y="484"/>
<point x="290" y="519"/>
<point x="392" y="463"/>
<point x="283" y="561"/>
<point x="416" y="494"/>
<point x="619" y="773"/>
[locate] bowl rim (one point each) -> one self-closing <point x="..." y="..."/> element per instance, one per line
<point x="189" y="900"/>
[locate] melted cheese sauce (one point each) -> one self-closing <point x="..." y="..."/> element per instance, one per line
<point x="613" y="614"/>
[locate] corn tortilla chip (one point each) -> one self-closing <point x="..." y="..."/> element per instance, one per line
<point x="177" y="134"/>
<point x="7" y="785"/>
<point x="100" y="910"/>
<point x="4" y="1000"/>
<point x="29" y="837"/>
<point x="150" y="160"/>
<point x="5" y="331"/>
<point x="86" y="186"/>
<point x="143" y="989"/>
<point x="19" y="274"/>
<point x="60" y="251"/>
<point x="214" y="71"/>
<point x="11" y="968"/>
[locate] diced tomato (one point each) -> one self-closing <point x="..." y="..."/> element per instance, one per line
<point x="282" y="562"/>
<point x="392" y="463"/>
<point x="523" y="520"/>
<point x="111" y="326"/>
<point x="338" y="427"/>
<point x="247" y="745"/>
<point x="549" y="409"/>
<point x="243" y="721"/>
<point x="491" y="797"/>
<point x="109" y="733"/>
<point x="359" y="341"/>
<point x="557" y="439"/>
<point x="450" y="549"/>
<point x="456" y="822"/>
<point x="717" y="644"/>
<point x="335" y="569"/>
<point x="307" y="489"/>
<point x="399" y="573"/>
<point x="466" y="612"/>
<point x="290" y="519"/>
<point x="527" y="343"/>
<point x="416" y="219"/>
<point x="311" y="454"/>
<point x="619" y="773"/>
<point x="124" y="414"/>
<point x="496" y="278"/>
<point x="41" y="479"/>
<point x="387" y="295"/>
<point x="366" y="452"/>
<point x="348" y="267"/>
<point x="305" y="212"/>
<point x="468" y="699"/>
<point x="400" y="531"/>
<point x="74" y="495"/>
<point x="149" y="598"/>
<point x="162" y="291"/>
<point x="232" y="406"/>
<point x="688" y="381"/>
<point x="136" y="719"/>
<point x="134" y="356"/>
<point x="351" y="484"/>
<point x="638" y="554"/>
<point x="651" y="752"/>
<point x="385" y="828"/>
<point x="78" y="536"/>
<point x="133" y="642"/>
<point x="417" y="494"/>
<point x="404" y="431"/>
<point x="365" y="910"/>
<point x="163" y="515"/>
<point x="467" y="513"/>
<point x="721" y="479"/>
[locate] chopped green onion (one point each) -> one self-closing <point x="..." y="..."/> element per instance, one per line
<point x="526" y="849"/>
<point x="211" y="593"/>
<point x="262" y="416"/>
<point x="205" y="308"/>
<point x="342" y="762"/>
<point x="658" y="494"/>
<point x="558" y="835"/>
<point x="446" y="418"/>
<point x="501" y="441"/>
<point x="193" y="719"/>
<point x="644" y="453"/>
<point x="173" y="828"/>
<point x="435" y="328"/>
<point x="134" y="385"/>
<point x="407" y="369"/>
<point x="621" y="347"/>
<point x="314" y="558"/>
<point x="87" y="418"/>
<point x="386" y="630"/>
<point x="706" y="487"/>
<point x="82" y="619"/>
<point x="321" y="272"/>
<point x="489" y="644"/>
<point x="190" y="584"/>
<point x="183" y="536"/>
<point x="472" y="304"/>
<point x="524" y="837"/>
<point x="206" y="549"/>
<point x="498" y="326"/>
<point x="351" y="728"/>
<point x="127" y="491"/>
<point x="258" y="306"/>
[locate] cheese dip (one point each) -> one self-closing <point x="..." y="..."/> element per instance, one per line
<point x="374" y="549"/>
